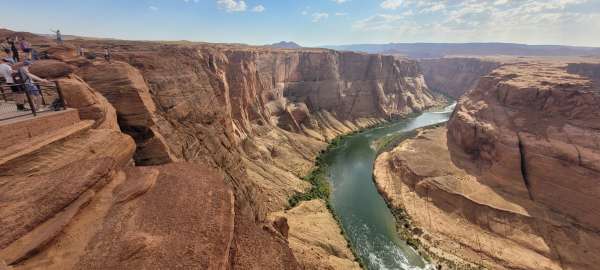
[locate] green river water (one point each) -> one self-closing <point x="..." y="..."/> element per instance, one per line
<point x="363" y="213"/>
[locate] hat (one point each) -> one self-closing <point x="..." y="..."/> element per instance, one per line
<point x="28" y="63"/>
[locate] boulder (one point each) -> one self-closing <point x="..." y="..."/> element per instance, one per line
<point x="62" y="52"/>
<point x="51" y="69"/>
<point x="90" y="104"/>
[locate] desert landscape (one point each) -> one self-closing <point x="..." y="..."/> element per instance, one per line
<point x="243" y="153"/>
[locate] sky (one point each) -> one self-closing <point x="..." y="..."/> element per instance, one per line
<point x="315" y="22"/>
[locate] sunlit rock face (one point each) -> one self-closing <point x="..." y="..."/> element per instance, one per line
<point x="514" y="178"/>
<point x="163" y="125"/>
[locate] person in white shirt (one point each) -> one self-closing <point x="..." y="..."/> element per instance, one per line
<point x="6" y="71"/>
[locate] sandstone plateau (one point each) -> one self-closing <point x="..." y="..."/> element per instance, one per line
<point x="512" y="181"/>
<point x="173" y="155"/>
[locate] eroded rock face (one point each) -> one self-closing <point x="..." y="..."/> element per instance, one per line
<point x="455" y="76"/>
<point x="515" y="179"/>
<point x="126" y="90"/>
<point x="532" y="131"/>
<point x="51" y="69"/>
<point x="258" y="115"/>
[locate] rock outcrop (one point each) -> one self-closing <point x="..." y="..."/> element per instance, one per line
<point x="319" y="249"/>
<point x="513" y="184"/>
<point x="455" y="76"/>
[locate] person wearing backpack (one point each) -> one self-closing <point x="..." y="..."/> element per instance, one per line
<point x="28" y="79"/>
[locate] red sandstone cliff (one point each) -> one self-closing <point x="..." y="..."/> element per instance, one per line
<point x="239" y="126"/>
<point x="513" y="185"/>
<point x="455" y="76"/>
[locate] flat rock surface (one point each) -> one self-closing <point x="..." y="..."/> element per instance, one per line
<point x="29" y="201"/>
<point x="166" y="228"/>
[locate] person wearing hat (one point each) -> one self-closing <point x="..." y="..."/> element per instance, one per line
<point x="28" y="79"/>
<point x="6" y="72"/>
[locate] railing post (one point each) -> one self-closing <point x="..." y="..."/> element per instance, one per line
<point x="39" y="86"/>
<point x="31" y="105"/>
<point x="60" y="95"/>
<point x="2" y="90"/>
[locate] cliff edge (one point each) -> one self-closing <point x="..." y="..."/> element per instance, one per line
<point x="511" y="182"/>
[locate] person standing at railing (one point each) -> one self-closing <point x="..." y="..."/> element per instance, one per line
<point x="6" y="71"/>
<point x="6" y="47"/>
<point x="29" y="80"/>
<point x="26" y="48"/>
<point x="13" y="48"/>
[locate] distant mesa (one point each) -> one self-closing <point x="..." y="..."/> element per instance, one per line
<point x="286" y="45"/>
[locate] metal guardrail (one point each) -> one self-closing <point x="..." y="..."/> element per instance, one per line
<point x="16" y="101"/>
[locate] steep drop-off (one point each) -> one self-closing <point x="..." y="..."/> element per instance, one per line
<point x="455" y="76"/>
<point x="513" y="183"/>
<point x="239" y="126"/>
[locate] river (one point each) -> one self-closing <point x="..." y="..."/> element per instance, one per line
<point x="362" y="211"/>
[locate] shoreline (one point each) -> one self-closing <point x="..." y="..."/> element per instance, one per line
<point x="405" y="227"/>
<point x="319" y="180"/>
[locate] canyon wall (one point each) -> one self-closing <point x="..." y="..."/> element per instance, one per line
<point x="512" y="184"/>
<point x="455" y="76"/>
<point x="242" y="108"/>
<point x="238" y="126"/>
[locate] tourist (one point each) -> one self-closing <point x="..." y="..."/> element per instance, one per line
<point x="107" y="54"/>
<point x="59" y="39"/>
<point x="81" y="51"/>
<point x="29" y="79"/>
<point x="5" y="45"/>
<point x="13" y="48"/>
<point x="26" y="48"/>
<point x="6" y="71"/>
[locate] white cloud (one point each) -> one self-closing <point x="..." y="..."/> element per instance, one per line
<point x="340" y="1"/>
<point x="153" y="8"/>
<point x="525" y="21"/>
<point x="433" y="8"/>
<point x="319" y="16"/>
<point x="259" y="8"/>
<point x="341" y="14"/>
<point x="391" y="4"/>
<point x="378" y="22"/>
<point x="232" y="5"/>
<point x="195" y="1"/>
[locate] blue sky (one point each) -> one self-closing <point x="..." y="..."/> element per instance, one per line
<point x="315" y="22"/>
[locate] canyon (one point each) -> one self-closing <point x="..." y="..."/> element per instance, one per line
<point x="178" y="156"/>
<point x="510" y="182"/>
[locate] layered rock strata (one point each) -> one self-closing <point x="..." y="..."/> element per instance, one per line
<point x="235" y="125"/>
<point x="511" y="184"/>
<point x="455" y="76"/>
